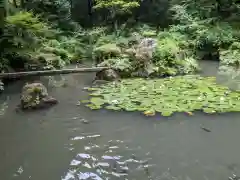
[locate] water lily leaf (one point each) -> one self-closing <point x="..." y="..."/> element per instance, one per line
<point x="113" y="107"/>
<point x="92" y="89"/>
<point x="84" y="101"/>
<point x="128" y="108"/>
<point x="97" y="101"/>
<point x="209" y="110"/>
<point x="93" y="106"/>
<point x="189" y="113"/>
<point x="167" y="113"/>
<point x="166" y="96"/>
<point x="149" y="113"/>
<point x="95" y="94"/>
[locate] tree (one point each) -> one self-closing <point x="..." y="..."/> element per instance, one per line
<point x="3" y="11"/>
<point x="116" y="7"/>
<point x="58" y="12"/>
<point x="155" y="13"/>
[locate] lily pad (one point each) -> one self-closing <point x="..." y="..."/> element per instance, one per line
<point x="174" y="94"/>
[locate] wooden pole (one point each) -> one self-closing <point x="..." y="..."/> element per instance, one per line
<point x="51" y="72"/>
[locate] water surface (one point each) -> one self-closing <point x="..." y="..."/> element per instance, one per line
<point x="57" y="144"/>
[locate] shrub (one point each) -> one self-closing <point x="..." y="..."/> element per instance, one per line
<point x="24" y="33"/>
<point x="173" y="55"/>
<point x="231" y="56"/>
<point x="122" y="64"/>
<point x="28" y="38"/>
<point x="206" y="34"/>
<point x="106" y="51"/>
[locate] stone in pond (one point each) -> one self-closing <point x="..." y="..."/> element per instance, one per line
<point x="35" y="96"/>
<point x="108" y="75"/>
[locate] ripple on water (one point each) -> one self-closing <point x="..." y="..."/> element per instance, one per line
<point x="103" y="162"/>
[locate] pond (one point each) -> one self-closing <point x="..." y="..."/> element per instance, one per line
<point x="71" y="142"/>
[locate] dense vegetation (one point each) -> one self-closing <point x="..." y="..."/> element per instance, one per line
<point x="40" y="34"/>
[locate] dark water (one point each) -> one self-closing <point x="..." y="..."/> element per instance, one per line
<point x="57" y="144"/>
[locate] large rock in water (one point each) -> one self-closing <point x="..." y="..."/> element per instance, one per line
<point x="107" y="75"/>
<point x="144" y="54"/>
<point x="147" y="47"/>
<point x="35" y="96"/>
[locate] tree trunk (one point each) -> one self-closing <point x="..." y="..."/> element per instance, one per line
<point x="15" y="3"/>
<point x="3" y="14"/>
<point x="22" y="3"/>
<point x="116" y="25"/>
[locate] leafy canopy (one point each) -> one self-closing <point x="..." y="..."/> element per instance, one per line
<point x="117" y="6"/>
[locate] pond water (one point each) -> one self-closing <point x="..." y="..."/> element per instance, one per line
<point x="71" y="142"/>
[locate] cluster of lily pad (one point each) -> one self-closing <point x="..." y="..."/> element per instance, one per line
<point x="166" y="96"/>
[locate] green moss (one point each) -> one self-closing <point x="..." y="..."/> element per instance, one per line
<point x="166" y="96"/>
<point x="31" y="94"/>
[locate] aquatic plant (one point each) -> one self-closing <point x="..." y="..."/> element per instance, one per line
<point x="166" y="96"/>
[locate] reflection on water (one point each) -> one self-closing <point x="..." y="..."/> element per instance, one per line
<point x="229" y="77"/>
<point x="105" y="162"/>
<point x="70" y="142"/>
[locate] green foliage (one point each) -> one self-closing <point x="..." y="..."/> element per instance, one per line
<point x="24" y="33"/>
<point x="116" y="6"/>
<point x="206" y="33"/>
<point x="106" y="51"/>
<point x="27" y="21"/>
<point x="173" y="55"/>
<point x="155" y="13"/>
<point x="55" y="11"/>
<point x="34" y="44"/>
<point x="122" y="64"/>
<point x="167" y="96"/>
<point x="203" y="32"/>
<point x="26" y="30"/>
<point x="231" y="56"/>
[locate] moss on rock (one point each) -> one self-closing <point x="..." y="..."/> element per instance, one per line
<point x="35" y="96"/>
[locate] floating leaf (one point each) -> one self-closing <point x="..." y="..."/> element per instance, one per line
<point x="97" y="101"/>
<point x="149" y="113"/>
<point x="166" y="96"/>
<point x="93" y="107"/>
<point x="85" y="101"/>
<point x="91" y="89"/>
<point x="113" y="108"/>
<point x="189" y="113"/>
<point x="167" y="113"/>
<point x="209" y="110"/>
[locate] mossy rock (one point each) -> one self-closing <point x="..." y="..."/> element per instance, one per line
<point x="35" y="96"/>
<point x="108" y="75"/>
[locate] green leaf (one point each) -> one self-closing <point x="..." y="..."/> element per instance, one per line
<point x="177" y="94"/>
<point x="167" y="113"/>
